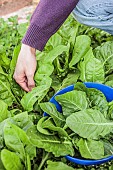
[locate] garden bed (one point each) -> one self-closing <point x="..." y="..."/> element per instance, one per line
<point x="76" y="53"/>
<point x="9" y="6"/>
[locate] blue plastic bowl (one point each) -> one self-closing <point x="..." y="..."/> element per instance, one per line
<point x="108" y="92"/>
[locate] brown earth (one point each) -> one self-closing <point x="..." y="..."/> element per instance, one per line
<point x="9" y="6"/>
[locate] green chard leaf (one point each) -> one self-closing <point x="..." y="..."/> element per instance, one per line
<point x="1" y="164"/>
<point x="37" y="94"/>
<point x="91" y="149"/>
<point x="54" y="53"/>
<point x="50" y="143"/>
<point x="54" y="41"/>
<point x="105" y="54"/>
<point x="5" y="90"/>
<point x="80" y="87"/>
<point x="72" y="101"/>
<point x="22" y="120"/>
<point x="91" y="68"/>
<point x="110" y="110"/>
<point x="82" y="45"/>
<point x="15" y="139"/>
<point x="45" y="66"/>
<point x="3" y="111"/>
<point x="10" y="160"/>
<point x="108" y="147"/>
<point x="57" y="166"/>
<point x="41" y="129"/>
<point x="97" y="100"/>
<point x="70" y="79"/>
<point x="48" y="124"/>
<point x="31" y="151"/>
<point x="14" y="60"/>
<point x="89" y="124"/>
<point x="50" y="109"/>
<point x="4" y="61"/>
<point x="42" y="75"/>
<point x="109" y="83"/>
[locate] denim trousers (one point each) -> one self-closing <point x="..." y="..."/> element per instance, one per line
<point x="95" y="13"/>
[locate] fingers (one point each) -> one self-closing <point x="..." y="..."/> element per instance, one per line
<point x="25" y="68"/>
<point x="30" y="81"/>
<point x="26" y="82"/>
<point x="24" y="86"/>
<point x="22" y="83"/>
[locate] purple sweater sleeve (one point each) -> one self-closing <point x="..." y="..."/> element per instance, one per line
<point x="46" y="20"/>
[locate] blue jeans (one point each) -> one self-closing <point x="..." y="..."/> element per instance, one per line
<point x="95" y="13"/>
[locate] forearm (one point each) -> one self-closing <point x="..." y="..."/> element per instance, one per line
<point x="46" y="20"/>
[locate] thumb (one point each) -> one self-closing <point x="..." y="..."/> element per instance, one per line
<point x="31" y="82"/>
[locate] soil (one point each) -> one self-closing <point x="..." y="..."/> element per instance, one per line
<point x="9" y="6"/>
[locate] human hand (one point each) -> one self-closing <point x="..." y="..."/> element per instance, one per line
<point x="26" y="67"/>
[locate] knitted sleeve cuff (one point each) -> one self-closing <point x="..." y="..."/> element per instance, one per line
<point x="35" y="37"/>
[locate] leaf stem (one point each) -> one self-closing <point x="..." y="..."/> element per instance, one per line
<point x="44" y="158"/>
<point x="65" y="127"/>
